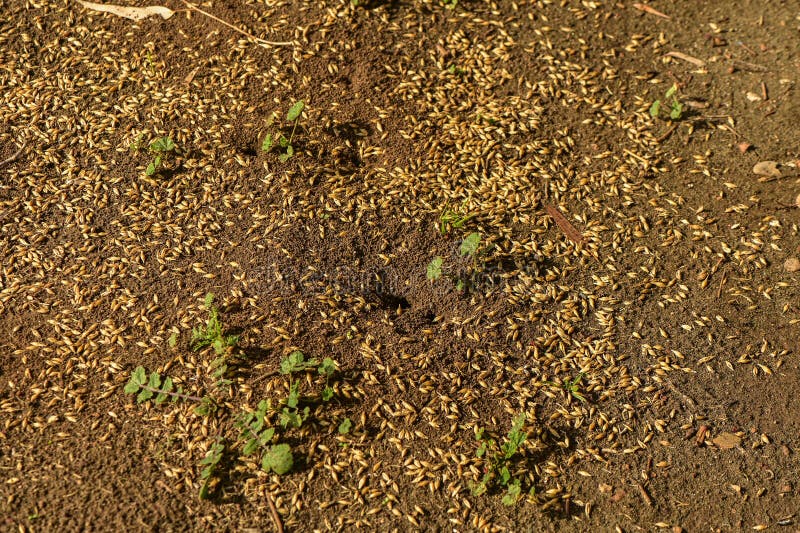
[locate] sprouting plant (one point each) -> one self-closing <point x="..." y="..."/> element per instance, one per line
<point x="162" y="389"/>
<point x="451" y="219"/>
<point x="571" y="386"/>
<point x="291" y="415"/>
<point x="253" y="428"/>
<point x="154" y="385"/>
<point x="293" y="116"/>
<point x="209" y="464"/>
<point x="136" y="145"/>
<point x="498" y="461"/>
<point x="161" y="148"/>
<point x="212" y="333"/>
<point x="671" y="99"/>
<point x="469" y="247"/>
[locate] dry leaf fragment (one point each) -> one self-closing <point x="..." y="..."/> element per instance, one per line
<point x="568" y="229"/>
<point x="132" y="13"/>
<point x="727" y="441"/>
<point x="767" y="168"/>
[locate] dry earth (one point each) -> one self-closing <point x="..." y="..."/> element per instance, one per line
<point x="630" y="294"/>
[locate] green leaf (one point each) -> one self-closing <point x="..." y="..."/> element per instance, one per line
<point x="157" y="161"/>
<point x="672" y="90"/>
<point x="172" y="341"/>
<point x="344" y="427"/>
<point x="505" y="476"/>
<point x="289" y="151"/>
<point x="289" y="417"/>
<point x="470" y="245"/>
<point x="283" y="158"/>
<point x="151" y="169"/>
<point x="327" y="394"/>
<point x="266" y="146"/>
<point x="162" y="144"/>
<point x="209" y="299"/>
<point x="434" y="271"/>
<point x="328" y="367"/>
<point x="655" y="108"/>
<point x="161" y="398"/>
<point x="293" y="362"/>
<point x="295" y="110"/>
<point x="278" y="459"/>
<point x="155" y="380"/>
<point x="144" y="396"/>
<point x="132" y="387"/>
<point x="677" y="111"/>
<point x="512" y="493"/>
<point x="251" y="446"/>
<point x="283" y="141"/>
<point x="267" y="435"/>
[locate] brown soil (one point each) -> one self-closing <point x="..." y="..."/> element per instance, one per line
<point x="671" y="313"/>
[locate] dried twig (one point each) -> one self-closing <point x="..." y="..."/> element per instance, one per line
<point x="274" y="512"/>
<point x="666" y="135"/>
<point x="687" y="58"/>
<point x="646" y="497"/>
<point x="13" y="157"/>
<point x="568" y="229"/>
<point x="258" y="40"/>
<point x="652" y="11"/>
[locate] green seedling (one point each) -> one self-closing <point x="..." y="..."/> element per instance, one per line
<point x="158" y="389"/>
<point x="253" y="428"/>
<point x="671" y="100"/>
<point x="451" y="219"/>
<point x="270" y="141"/>
<point x="212" y="333"/>
<point x="498" y="461"/>
<point x="571" y="387"/>
<point x="154" y="385"/>
<point x="209" y="464"/>
<point x="161" y="148"/>
<point x="291" y="415"/>
<point x="469" y="248"/>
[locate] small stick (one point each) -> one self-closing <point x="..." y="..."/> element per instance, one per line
<point x="274" y="512"/>
<point x="646" y="497"/>
<point x="13" y="157"/>
<point x="231" y="26"/>
<point x="764" y="91"/>
<point x="667" y="134"/>
<point x="687" y="58"/>
<point x="568" y="229"/>
<point x="648" y="9"/>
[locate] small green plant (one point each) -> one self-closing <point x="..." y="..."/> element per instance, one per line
<point x="293" y="116"/>
<point x="670" y="99"/>
<point x="469" y="247"/>
<point x="209" y="464"/>
<point x="451" y="219"/>
<point x="211" y="334"/>
<point x="345" y="426"/>
<point x="155" y="385"/>
<point x="498" y="461"/>
<point x="163" y="389"/>
<point x="571" y="387"/>
<point x="161" y="148"/>
<point x="291" y="415"/>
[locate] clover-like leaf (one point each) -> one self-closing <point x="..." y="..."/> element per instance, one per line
<point x="470" y="245"/>
<point x="655" y="108"/>
<point x="434" y="270"/>
<point x="344" y="427"/>
<point x="279" y="459"/>
<point x="266" y="146"/>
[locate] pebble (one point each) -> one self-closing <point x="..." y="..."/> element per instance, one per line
<point x="792" y="264"/>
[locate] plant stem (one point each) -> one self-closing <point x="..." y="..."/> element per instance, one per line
<point x="173" y="394"/>
<point x="291" y="135"/>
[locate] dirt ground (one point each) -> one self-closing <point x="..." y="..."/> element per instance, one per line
<point x="632" y="300"/>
